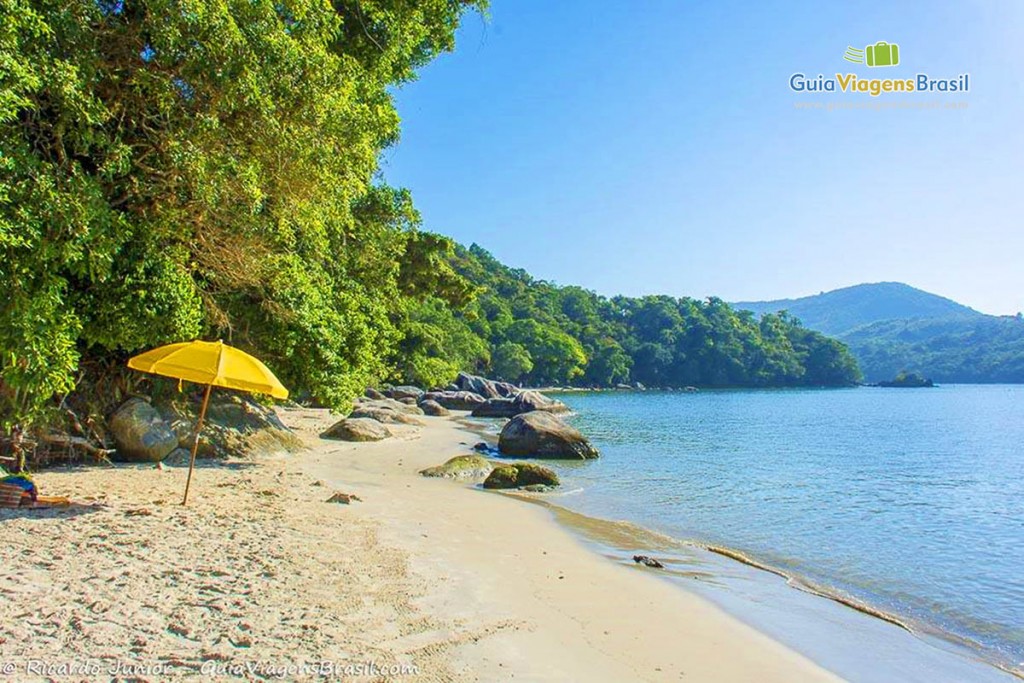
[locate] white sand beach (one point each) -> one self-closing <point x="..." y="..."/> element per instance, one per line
<point x="423" y="580"/>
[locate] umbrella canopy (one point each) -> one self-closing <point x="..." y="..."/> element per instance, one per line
<point x="209" y="363"/>
<point x="214" y="364"/>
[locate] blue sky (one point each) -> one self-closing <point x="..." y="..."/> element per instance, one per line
<point x="654" y="147"/>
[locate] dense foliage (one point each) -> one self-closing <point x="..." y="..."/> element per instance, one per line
<point x="172" y="170"/>
<point x="840" y="311"/>
<point x="539" y="333"/>
<point x="176" y="169"/>
<point x="957" y="349"/>
<point x="891" y="327"/>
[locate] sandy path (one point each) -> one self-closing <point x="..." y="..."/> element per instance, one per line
<point x="259" y="576"/>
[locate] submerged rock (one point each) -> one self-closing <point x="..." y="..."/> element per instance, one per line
<point x="356" y="429"/>
<point x="433" y="408"/>
<point x="140" y="433"/>
<point x="463" y="467"/>
<point x="648" y="561"/>
<point x="542" y="435"/>
<point x="520" y="475"/>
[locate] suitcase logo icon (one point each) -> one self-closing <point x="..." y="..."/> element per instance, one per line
<point x="879" y="54"/>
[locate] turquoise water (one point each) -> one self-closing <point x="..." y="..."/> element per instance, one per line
<point x="911" y="501"/>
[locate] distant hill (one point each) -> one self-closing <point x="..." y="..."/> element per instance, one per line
<point x="842" y="310"/>
<point x="891" y="327"/>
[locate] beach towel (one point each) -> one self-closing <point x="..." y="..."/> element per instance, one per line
<point x="24" y="482"/>
<point x="42" y="502"/>
<point x="17" y="490"/>
<point x="11" y="495"/>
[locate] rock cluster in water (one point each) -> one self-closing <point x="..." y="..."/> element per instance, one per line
<point x="534" y="428"/>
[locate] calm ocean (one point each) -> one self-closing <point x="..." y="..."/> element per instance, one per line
<point x="908" y="501"/>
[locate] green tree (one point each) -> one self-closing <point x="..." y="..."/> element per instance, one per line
<point x="609" y="364"/>
<point x="436" y="345"/>
<point x="167" y="174"/>
<point x="557" y="357"/>
<point x="511" y="361"/>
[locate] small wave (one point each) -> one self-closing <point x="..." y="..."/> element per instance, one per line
<point x="570" y="492"/>
<point x="808" y="587"/>
<point x="628" y="537"/>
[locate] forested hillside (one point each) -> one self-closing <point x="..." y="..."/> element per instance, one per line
<point x="531" y="331"/>
<point x="169" y="174"/>
<point x="980" y="350"/>
<point x="891" y="327"/>
<point x="843" y="310"/>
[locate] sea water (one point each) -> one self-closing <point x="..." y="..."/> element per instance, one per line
<point x="907" y="501"/>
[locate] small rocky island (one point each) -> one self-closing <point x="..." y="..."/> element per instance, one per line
<point x="908" y="380"/>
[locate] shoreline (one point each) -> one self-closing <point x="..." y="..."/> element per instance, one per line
<point x="922" y="654"/>
<point x="425" y="579"/>
<point x="606" y="534"/>
<point x="575" y="615"/>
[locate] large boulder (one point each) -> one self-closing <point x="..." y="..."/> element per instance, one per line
<point x="542" y="435"/>
<point x="404" y="391"/>
<point x="140" y="433"/>
<point x="391" y="404"/>
<point x="523" y="402"/>
<point x="235" y="426"/>
<point x="528" y="401"/>
<point x="485" y="387"/>
<point x="356" y="429"/>
<point x="454" y="400"/>
<point x="385" y="414"/>
<point x="373" y="394"/>
<point x="241" y="412"/>
<point x="519" y="475"/>
<point x="497" y="407"/>
<point x="433" y="408"/>
<point x="462" y="467"/>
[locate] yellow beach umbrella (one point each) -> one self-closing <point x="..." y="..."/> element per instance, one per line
<point x="214" y="364"/>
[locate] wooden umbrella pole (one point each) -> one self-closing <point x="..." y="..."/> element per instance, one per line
<point x="195" y="443"/>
